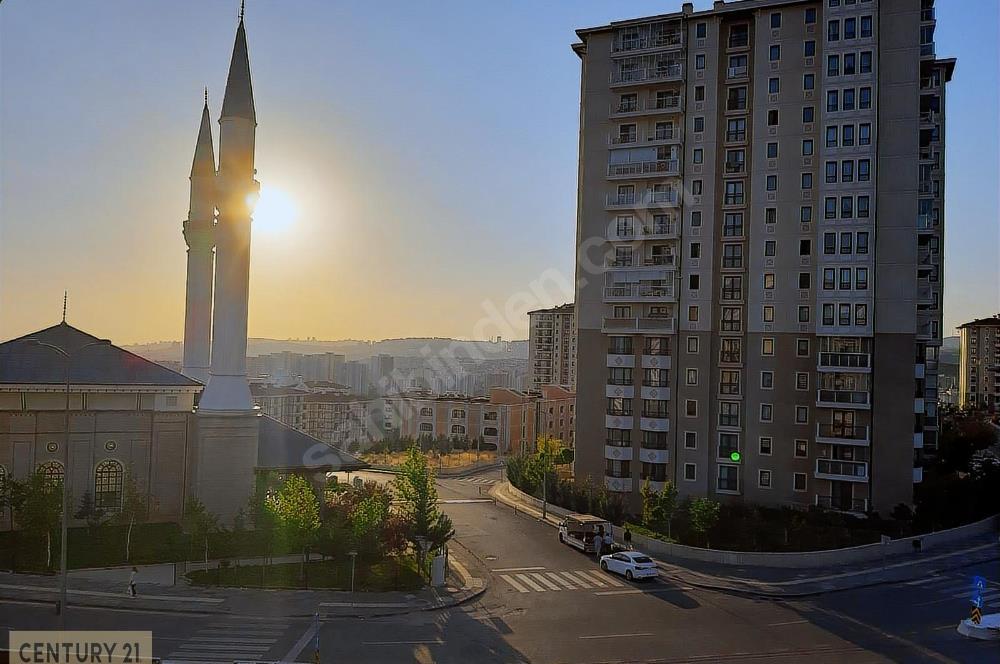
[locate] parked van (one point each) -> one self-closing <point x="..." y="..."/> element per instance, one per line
<point x="581" y="531"/>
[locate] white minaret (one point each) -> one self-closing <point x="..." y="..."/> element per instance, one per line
<point x="236" y="191"/>
<point x="198" y="233"/>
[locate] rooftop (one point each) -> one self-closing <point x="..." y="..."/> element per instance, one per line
<point x="992" y="321"/>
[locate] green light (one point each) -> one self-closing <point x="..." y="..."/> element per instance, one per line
<point x="735" y="456"/>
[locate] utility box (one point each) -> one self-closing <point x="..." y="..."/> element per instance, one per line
<point x="438" y="570"/>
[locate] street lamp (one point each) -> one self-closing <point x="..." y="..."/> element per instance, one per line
<point x="63" y="528"/>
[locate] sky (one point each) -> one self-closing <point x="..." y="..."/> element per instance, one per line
<point x="418" y="161"/>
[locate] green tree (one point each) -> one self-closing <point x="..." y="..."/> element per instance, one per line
<point x="37" y="505"/>
<point x="199" y="524"/>
<point x="260" y="516"/>
<point x="135" y="510"/>
<point x="88" y="511"/>
<point x="296" y="510"/>
<point x="417" y="494"/>
<point x="658" y="507"/>
<point x="704" y="514"/>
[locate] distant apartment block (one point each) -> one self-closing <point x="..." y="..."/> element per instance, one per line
<point x="510" y="419"/>
<point x="979" y="364"/>
<point x="292" y="367"/>
<point x="552" y="346"/>
<point x="760" y="271"/>
<point x="323" y="410"/>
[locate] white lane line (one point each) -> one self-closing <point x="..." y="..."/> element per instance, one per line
<point x="630" y="591"/>
<point x="223" y="639"/>
<point x="616" y="636"/>
<point x="580" y="581"/>
<point x="544" y="581"/>
<point x="920" y="582"/>
<point x="987" y="595"/>
<point x="605" y="578"/>
<point x="790" y="622"/>
<point x="597" y="580"/>
<point x="301" y="644"/>
<point x="561" y="581"/>
<point x="199" y="656"/>
<point x="517" y="569"/>
<point x="97" y="593"/>
<point x="525" y="579"/>
<point x="464" y="501"/>
<point x="514" y="584"/>
<point x="242" y="647"/>
<point x="435" y="642"/>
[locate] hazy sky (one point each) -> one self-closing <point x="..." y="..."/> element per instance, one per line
<point x="429" y="148"/>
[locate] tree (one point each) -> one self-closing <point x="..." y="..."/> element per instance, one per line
<point x="417" y="494"/>
<point x="262" y="518"/>
<point x="704" y="513"/>
<point x="296" y="510"/>
<point x="135" y="509"/>
<point x="199" y="523"/>
<point x="658" y="507"/>
<point x="37" y="504"/>
<point x="90" y="512"/>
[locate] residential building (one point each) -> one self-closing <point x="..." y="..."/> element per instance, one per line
<point x="979" y="364"/>
<point x="552" y="346"/>
<point x="745" y="327"/>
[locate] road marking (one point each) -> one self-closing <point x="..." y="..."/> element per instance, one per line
<point x="606" y="578"/>
<point x="514" y="584"/>
<point x="544" y="581"/>
<point x="97" y="593"/>
<point x="561" y="581"/>
<point x="629" y="591"/>
<point x="790" y="622"/>
<point x="597" y="579"/>
<point x="580" y="581"/>
<point x="435" y="642"/>
<point x="517" y="569"/>
<point x="242" y="647"/>
<point x="616" y="636"/>
<point x="464" y="501"/>
<point x="301" y="644"/>
<point x="525" y="579"/>
<point x="920" y="582"/>
<point x="230" y="639"/>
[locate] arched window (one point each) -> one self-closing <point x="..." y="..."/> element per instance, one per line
<point x="458" y="414"/>
<point x="457" y="430"/>
<point x="109" y="479"/>
<point x="53" y="472"/>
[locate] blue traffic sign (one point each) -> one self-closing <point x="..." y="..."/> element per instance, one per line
<point x="978" y="585"/>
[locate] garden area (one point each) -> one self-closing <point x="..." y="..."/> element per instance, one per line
<point x="390" y="529"/>
<point x="441" y="452"/>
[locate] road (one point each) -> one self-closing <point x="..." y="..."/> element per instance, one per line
<point x="549" y="603"/>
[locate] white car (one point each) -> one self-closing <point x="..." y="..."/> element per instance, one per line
<point x="633" y="564"/>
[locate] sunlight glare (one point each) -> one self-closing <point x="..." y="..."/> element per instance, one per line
<point x="275" y="211"/>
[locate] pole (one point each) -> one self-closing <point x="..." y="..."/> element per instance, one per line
<point x="316" y="643"/>
<point x="64" y="525"/>
<point x="354" y="557"/>
<point x="545" y="492"/>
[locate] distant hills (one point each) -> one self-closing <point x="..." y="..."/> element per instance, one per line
<point x="171" y="351"/>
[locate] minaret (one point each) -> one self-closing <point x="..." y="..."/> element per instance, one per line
<point x="198" y="233"/>
<point x="236" y="192"/>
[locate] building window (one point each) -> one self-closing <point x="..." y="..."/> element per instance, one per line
<point x="770" y="217"/>
<point x="690" y="472"/>
<point x="764" y="479"/>
<point x="52" y="473"/>
<point x="426" y="427"/>
<point x="801" y="415"/>
<point x="109" y="480"/>
<point x="3" y="488"/>
<point x="765" y="444"/>
<point x="698" y="157"/>
<point x="729" y="414"/>
<point x="774" y="53"/>
<point x="801" y="448"/>
<point x="802" y="348"/>
<point x="692" y="345"/>
<point x="809" y="48"/>
<point x="767" y="346"/>
<point x="775" y="20"/>
<point x="773" y="85"/>
<point x="699" y="93"/>
<point x="807" y="147"/>
<point x="771" y="183"/>
<point x="691" y="377"/>
<point x="801" y="381"/>
<point x="772" y="118"/>
<point x="809" y="81"/>
<point x="767" y="380"/>
<point x="693" y="314"/>
<point x="426" y="412"/>
<point x="729" y="382"/>
<point x="700" y="30"/>
<point x="699" y="124"/>
<point x="729" y="478"/>
<point x="766" y="412"/>
<point x="690" y="440"/>
<point x="768" y="281"/>
<point x="810" y="16"/>
<point x="691" y="408"/>
<point x="699" y="61"/>
<point x="833" y="65"/>
<point x="768" y="313"/>
<point x="807" y="180"/>
<point x="696" y="218"/>
<point x="799" y="482"/>
<point x="458" y="414"/>
<point x="803" y="314"/>
<point x="808" y="114"/>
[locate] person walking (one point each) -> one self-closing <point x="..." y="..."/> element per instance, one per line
<point x="131" y="582"/>
<point x="628" y="538"/>
<point x="609" y="542"/>
<point x="599" y="543"/>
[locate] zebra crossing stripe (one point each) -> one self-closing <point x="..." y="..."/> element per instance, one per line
<point x="583" y="582"/>
<point x="561" y="581"/>
<point x="600" y="581"/>
<point x="606" y="578"/>
<point x="526" y="580"/>
<point x="514" y="584"/>
<point x="544" y="581"/>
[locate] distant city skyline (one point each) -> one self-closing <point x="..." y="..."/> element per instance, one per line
<point x="423" y="187"/>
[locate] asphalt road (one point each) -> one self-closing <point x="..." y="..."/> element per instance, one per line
<point x="548" y="603"/>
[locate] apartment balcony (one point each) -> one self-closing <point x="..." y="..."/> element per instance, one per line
<point x="852" y="505"/>
<point x="842" y="434"/>
<point x="654" y="455"/>
<point x="619" y="391"/>
<point x="655" y="361"/>
<point x="618" y="453"/>
<point x="641" y="292"/>
<point x="655" y="486"/>
<point x="929" y="154"/>
<point x="644" y="75"/>
<point x="927" y="258"/>
<point x="618" y="484"/>
<point x="847" y="471"/>
<point x="929" y="118"/>
<point x="648" y="200"/>
<point x="664" y="262"/>
<point x="654" y="423"/>
<point x="736" y="168"/>
<point x="854" y="362"/>
<point x="737" y="72"/>
<point x="926" y="222"/>
<point x="672" y="40"/>
<point x="927" y="50"/>
<point x="930" y="83"/>
<point x="645" y="169"/>
<point x="647" y="107"/>
<point x="843" y="399"/>
<point x="918" y="440"/>
<point x="639" y="325"/>
<point x="925" y="294"/>
<point x="927" y="15"/>
<point x="617" y="421"/>
<point x="661" y="392"/>
<point x="627" y="361"/>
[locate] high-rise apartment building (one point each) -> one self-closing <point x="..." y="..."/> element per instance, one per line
<point x="979" y="364"/>
<point x="552" y="346"/>
<point x="760" y="258"/>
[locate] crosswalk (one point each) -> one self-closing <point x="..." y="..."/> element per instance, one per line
<point x="540" y="580"/>
<point x="958" y="589"/>
<point x="225" y="641"/>
<point x="478" y="480"/>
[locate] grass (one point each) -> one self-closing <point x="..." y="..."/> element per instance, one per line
<point x="387" y="575"/>
<point x="435" y="460"/>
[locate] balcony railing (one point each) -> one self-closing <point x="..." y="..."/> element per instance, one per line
<point x="852" y="471"/>
<point x="736" y="135"/>
<point x="848" y="432"/>
<point x="843" y="397"/>
<point x="646" y="42"/>
<point x="739" y="41"/>
<point x="734" y="199"/>
<point x="926" y="222"/>
<point x="840" y="504"/>
<point x="662" y="105"/>
<point x="844" y="360"/>
<point x="641" y="168"/>
<point x="646" y="200"/>
<point x="736" y="72"/>
<point x="639" y="292"/>
<point x="664" y="72"/>
<point x="735" y="167"/>
<point x="663" y="325"/>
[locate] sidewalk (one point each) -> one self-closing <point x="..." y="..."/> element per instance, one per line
<point x="778" y="582"/>
<point x="104" y="591"/>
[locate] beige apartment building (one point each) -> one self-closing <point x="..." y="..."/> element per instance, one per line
<point x="324" y="411"/>
<point x="510" y="419"/>
<point x="760" y="264"/>
<point x="552" y="346"/>
<point x="979" y="364"/>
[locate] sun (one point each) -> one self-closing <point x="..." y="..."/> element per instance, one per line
<point x="275" y="211"/>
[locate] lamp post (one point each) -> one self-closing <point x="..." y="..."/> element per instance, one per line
<point x="64" y="521"/>
<point x="354" y="557"/>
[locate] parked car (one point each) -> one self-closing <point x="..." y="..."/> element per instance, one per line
<point x="632" y="564"/>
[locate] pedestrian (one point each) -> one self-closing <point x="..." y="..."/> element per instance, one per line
<point x="599" y="542"/>
<point x="628" y="538"/>
<point x="131" y="582"/>
<point x="609" y="542"/>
